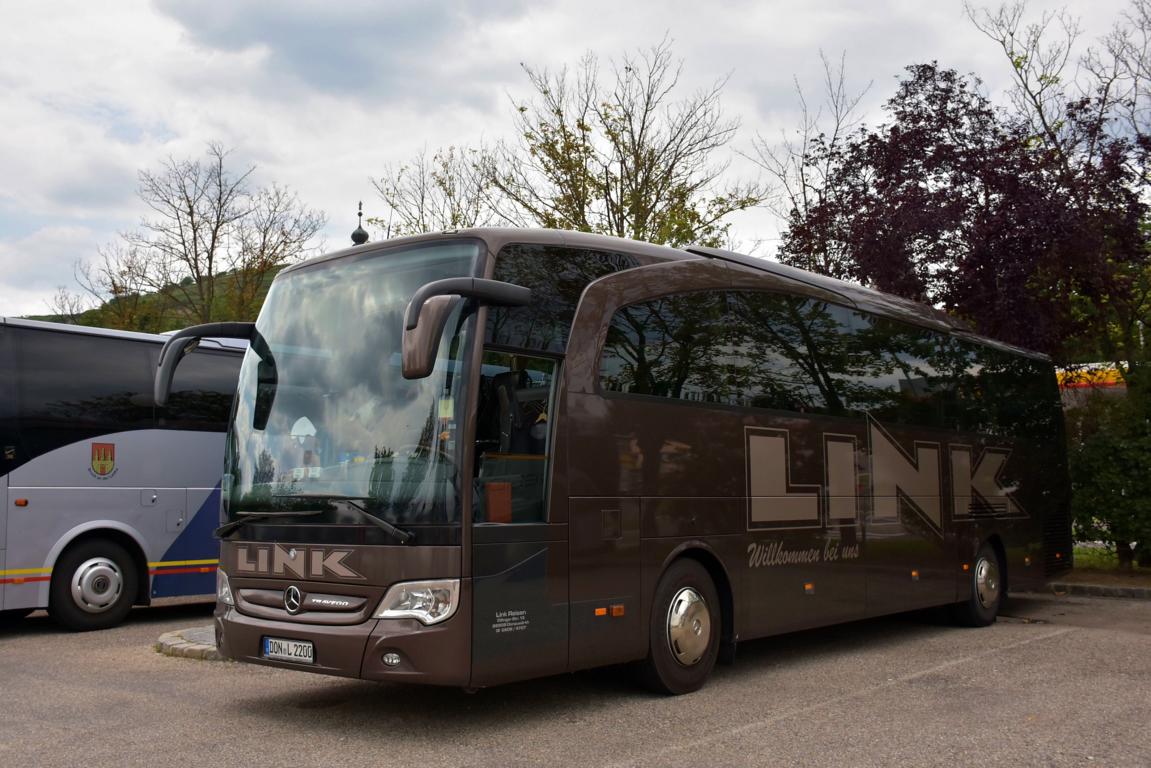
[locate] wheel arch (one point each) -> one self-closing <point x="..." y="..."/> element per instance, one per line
<point x="706" y="556"/>
<point x="124" y="535"/>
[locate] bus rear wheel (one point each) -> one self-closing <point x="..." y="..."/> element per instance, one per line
<point x="684" y="630"/>
<point x="986" y="584"/>
<point x="93" y="586"/>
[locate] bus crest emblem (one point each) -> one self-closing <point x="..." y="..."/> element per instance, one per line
<point x="103" y="460"/>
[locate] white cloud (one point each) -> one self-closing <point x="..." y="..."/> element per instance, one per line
<point x="37" y="264"/>
<point x="322" y="95"/>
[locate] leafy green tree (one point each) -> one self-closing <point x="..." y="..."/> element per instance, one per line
<point x="1109" y="451"/>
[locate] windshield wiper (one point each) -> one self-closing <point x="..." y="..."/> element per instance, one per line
<point x="399" y="534"/>
<point x="248" y="517"/>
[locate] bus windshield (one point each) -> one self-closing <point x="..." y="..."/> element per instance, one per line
<point x="323" y="412"/>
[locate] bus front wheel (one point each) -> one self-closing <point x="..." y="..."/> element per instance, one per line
<point x="93" y="586"/>
<point x="986" y="591"/>
<point x="684" y="630"/>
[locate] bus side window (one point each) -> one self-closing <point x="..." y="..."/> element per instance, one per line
<point x="58" y="407"/>
<point x="11" y="451"/>
<point x="202" y="392"/>
<point x="512" y="434"/>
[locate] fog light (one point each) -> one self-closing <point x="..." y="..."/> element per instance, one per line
<point x="392" y="659"/>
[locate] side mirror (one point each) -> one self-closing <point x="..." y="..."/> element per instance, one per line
<point x="418" y="352"/>
<point x="183" y="342"/>
<point x="428" y="312"/>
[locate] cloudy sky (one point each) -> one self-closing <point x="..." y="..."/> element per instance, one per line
<point x="320" y="96"/>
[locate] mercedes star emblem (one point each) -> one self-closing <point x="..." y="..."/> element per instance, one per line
<point x="293" y="600"/>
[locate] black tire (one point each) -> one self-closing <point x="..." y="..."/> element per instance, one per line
<point x="985" y="584"/>
<point x="94" y="584"/>
<point x="672" y="667"/>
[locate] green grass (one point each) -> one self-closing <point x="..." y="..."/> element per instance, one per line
<point x="1097" y="558"/>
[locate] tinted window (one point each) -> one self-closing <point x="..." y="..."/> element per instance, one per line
<point x="900" y="374"/>
<point x="666" y="348"/>
<point x="1006" y="394"/>
<point x="72" y="386"/>
<point x="9" y="437"/>
<point x="748" y="349"/>
<point x="766" y="350"/>
<point x="202" y="391"/>
<point x="557" y="277"/>
<point x="512" y="433"/>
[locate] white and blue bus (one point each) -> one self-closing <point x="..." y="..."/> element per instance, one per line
<point x="108" y="501"/>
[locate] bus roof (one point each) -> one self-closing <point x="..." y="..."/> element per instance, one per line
<point x="858" y="296"/>
<point x="85" y="330"/>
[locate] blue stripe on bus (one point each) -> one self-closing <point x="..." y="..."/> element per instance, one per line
<point x="195" y="542"/>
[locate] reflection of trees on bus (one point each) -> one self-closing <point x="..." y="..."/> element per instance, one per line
<point x="765" y="350"/>
<point x="557" y="277"/>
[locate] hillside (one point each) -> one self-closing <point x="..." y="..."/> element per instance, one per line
<point x="160" y="311"/>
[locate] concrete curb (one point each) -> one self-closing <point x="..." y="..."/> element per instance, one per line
<point x="1100" y="590"/>
<point x="193" y="643"/>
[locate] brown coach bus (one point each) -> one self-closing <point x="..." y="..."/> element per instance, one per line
<point x="481" y="456"/>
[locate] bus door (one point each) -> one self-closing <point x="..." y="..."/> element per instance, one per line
<point x="519" y="549"/>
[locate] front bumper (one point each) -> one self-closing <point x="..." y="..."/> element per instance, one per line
<point x="435" y="655"/>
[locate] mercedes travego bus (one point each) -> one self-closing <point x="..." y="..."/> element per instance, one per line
<point x="105" y="501"/>
<point x="482" y="456"/>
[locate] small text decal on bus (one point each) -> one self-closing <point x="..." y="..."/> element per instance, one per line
<point x="103" y="460"/>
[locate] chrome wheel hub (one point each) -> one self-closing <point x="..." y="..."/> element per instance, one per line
<point x="688" y="627"/>
<point x="987" y="582"/>
<point x="96" y="585"/>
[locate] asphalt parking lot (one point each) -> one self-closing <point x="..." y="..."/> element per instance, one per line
<point x="1061" y="681"/>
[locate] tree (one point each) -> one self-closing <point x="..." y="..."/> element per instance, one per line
<point x="1109" y="443"/>
<point x="66" y="306"/>
<point x="954" y="204"/>
<point x="117" y="281"/>
<point x="209" y="246"/>
<point x="619" y="154"/>
<point x="802" y="169"/>
<point x="446" y="191"/>
<point x="1092" y="131"/>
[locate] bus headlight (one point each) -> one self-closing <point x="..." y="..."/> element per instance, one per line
<point x="430" y="602"/>
<point x="223" y="588"/>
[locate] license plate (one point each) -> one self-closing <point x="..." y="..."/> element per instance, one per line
<point x="299" y="651"/>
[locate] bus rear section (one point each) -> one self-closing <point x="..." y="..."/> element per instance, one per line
<point x="108" y="502"/>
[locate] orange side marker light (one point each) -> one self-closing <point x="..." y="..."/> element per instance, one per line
<point x="966" y="567"/>
<point x="21" y="502"/>
<point x="1058" y="555"/>
<point x="601" y="611"/>
<point x="915" y="575"/>
<point x="617" y="611"/>
<point x="809" y="588"/>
